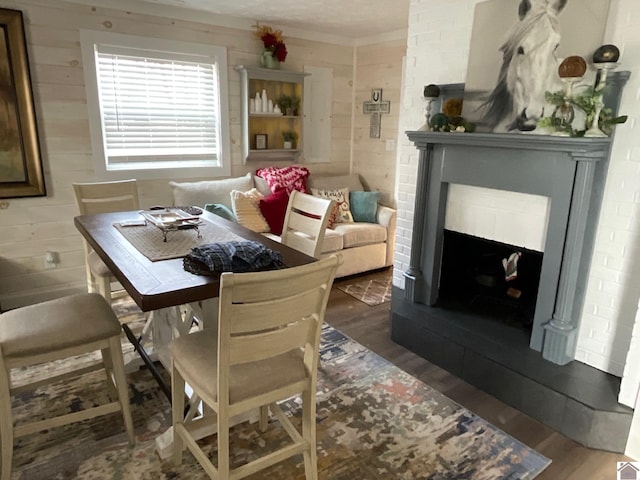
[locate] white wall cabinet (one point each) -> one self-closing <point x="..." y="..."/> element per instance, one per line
<point x="258" y="126"/>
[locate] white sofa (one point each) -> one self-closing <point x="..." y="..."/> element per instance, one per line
<point x="363" y="246"/>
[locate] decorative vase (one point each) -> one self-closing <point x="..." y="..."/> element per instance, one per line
<point x="288" y="145"/>
<point x="267" y="60"/>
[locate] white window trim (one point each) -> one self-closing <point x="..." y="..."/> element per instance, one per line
<point x="88" y="40"/>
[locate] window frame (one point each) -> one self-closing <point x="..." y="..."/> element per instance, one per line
<point x="89" y="39"/>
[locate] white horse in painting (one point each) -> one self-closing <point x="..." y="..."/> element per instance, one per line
<point x="529" y="68"/>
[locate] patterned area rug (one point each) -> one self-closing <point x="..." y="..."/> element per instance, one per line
<point x="372" y="292"/>
<point x="374" y="422"/>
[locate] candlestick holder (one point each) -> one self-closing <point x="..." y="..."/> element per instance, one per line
<point x="564" y="113"/>
<point x="603" y="70"/>
<point x="431" y="93"/>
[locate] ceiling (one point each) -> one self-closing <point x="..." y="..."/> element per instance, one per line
<point x="349" y="19"/>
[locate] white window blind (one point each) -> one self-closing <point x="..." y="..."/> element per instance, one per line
<point x="157" y="109"/>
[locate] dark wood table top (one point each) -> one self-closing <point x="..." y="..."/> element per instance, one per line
<point x="164" y="283"/>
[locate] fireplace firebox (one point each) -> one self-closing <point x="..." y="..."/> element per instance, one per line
<point x="489" y="279"/>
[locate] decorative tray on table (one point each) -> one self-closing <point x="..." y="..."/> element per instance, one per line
<point x="172" y="219"/>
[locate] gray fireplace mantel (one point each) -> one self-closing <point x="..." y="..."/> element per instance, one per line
<point x="569" y="171"/>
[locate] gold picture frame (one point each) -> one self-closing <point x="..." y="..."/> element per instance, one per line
<point x="21" y="172"/>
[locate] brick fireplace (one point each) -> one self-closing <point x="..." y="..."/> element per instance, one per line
<point x="535" y="373"/>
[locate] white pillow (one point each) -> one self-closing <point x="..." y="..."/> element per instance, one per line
<point x="341" y="196"/>
<point x="198" y="194"/>
<point x="247" y="210"/>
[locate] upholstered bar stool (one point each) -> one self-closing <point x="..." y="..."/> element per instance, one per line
<point x="103" y="197"/>
<point x="53" y="330"/>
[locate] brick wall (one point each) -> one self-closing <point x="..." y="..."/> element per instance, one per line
<point x="610" y="334"/>
<point x="437" y="52"/>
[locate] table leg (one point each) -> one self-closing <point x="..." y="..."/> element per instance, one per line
<point x="147" y="361"/>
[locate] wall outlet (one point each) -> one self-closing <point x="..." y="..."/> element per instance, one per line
<point x="390" y="145"/>
<point x="51" y="260"/>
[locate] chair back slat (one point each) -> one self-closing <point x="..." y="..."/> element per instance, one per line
<point x="277" y="284"/>
<point x="260" y="346"/>
<point x="275" y="311"/>
<point x="252" y="317"/>
<point x="106" y="197"/>
<point x="305" y="222"/>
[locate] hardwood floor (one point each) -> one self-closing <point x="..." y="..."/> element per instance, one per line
<point x="371" y="327"/>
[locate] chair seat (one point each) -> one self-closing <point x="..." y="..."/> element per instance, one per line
<point x="57" y="324"/>
<point x="97" y="266"/>
<point x="196" y="355"/>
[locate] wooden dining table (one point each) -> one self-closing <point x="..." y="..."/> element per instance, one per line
<point x="158" y="286"/>
<point x="165" y="283"/>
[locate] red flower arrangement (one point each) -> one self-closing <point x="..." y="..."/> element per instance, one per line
<point x="273" y="42"/>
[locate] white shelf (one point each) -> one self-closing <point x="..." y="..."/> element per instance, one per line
<point x="276" y="83"/>
<point x="261" y="114"/>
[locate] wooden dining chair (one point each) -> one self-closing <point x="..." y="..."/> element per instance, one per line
<point x="54" y="330"/>
<point x="305" y="222"/>
<point x="265" y="350"/>
<point x="103" y="197"/>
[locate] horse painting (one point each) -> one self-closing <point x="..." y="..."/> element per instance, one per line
<point x="529" y="68"/>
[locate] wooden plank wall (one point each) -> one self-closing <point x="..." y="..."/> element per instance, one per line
<point x="378" y="66"/>
<point x="32" y="226"/>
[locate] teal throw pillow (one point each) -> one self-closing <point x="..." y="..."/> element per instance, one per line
<point x="220" y="210"/>
<point x="364" y="206"/>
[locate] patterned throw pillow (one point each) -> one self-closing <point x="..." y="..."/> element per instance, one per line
<point x="289" y="178"/>
<point x="335" y="212"/>
<point x="247" y="211"/>
<point x="341" y="196"/>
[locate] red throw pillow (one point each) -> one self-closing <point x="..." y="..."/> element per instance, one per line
<point x="289" y="178"/>
<point x="274" y="209"/>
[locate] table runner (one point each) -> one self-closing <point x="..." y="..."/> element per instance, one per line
<point x="149" y="241"/>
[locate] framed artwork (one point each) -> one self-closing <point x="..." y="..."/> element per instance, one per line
<point x="516" y="48"/>
<point x="261" y="141"/>
<point x="21" y="172"/>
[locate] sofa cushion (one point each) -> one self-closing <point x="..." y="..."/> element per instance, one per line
<point x="341" y="196"/>
<point x="247" y="211"/>
<point x="332" y="241"/>
<point x="274" y="209"/>
<point x="209" y="191"/>
<point x="360" y="233"/>
<point x="262" y="185"/>
<point x="364" y="206"/>
<point x="352" y="182"/>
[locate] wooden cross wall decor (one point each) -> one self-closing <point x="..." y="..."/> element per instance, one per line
<point x="375" y="107"/>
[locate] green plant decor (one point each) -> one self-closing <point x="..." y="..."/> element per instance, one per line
<point x="588" y="103"/>
<point x="284" y="102"/>
<point x="295" y="104"/>
<point x="290" y="136"/>
<point x="288" y="103"/>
